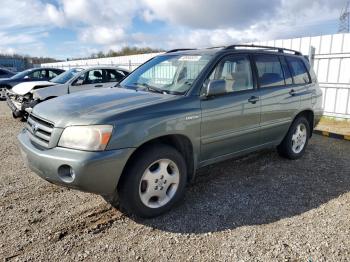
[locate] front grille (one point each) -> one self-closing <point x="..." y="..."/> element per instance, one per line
<point x="40" y="131"/>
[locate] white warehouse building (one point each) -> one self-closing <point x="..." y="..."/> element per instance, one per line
<point x="331" y="63"/>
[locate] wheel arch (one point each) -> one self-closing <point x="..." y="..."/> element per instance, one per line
<point x="310" y="117"/>
<point x="180" y="142"/>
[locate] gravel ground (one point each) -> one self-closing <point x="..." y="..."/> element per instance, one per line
<point x="258" y="208"/>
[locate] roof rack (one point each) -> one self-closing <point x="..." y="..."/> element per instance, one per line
<point x="179" y="49"/>
<point x="279" y="49"/>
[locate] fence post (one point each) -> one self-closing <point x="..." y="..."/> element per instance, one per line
<point x="312" y="52"/>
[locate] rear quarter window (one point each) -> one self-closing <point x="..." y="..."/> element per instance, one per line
<point x="298" y="69"/>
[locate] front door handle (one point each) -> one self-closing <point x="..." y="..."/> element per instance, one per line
<point x="292" y="92"/>
<point x="98" y="85"/>
<point x="253" y="99"/>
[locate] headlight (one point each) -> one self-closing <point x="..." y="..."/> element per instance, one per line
<point x="89" y="138"/>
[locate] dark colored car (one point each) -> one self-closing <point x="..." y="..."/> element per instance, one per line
<point x="139" y="145"/>
<point x="4" y="73"/>
<point x="36" y="74"/>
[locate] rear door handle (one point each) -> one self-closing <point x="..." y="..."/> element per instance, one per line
<point x="292" y="92"/>
<point x="98" y="85"/>
<point x="253" y="99"/>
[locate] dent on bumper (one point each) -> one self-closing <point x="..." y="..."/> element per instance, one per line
<point x="95" y="172"/>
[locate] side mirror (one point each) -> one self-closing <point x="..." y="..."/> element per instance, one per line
<point x="215" y="88"/>
<point x="26" y="77"/>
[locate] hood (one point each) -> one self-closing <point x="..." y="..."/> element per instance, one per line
<point x="25" y="87"/>
<point x="50" y="91"/>
<point x="91" y="107"/>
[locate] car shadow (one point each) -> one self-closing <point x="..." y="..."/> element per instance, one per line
<point x="260" y="188"/>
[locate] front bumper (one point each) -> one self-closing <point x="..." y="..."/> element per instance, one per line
<point x="95" y="172"/>
<point x="15" y="106"/>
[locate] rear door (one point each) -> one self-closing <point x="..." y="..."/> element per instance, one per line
<point x="303" y="85"/>
<point x="278" y="102"/>
<point x="230" y="122"/>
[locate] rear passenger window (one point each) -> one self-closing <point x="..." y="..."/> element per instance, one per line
<point x="52" y="74"/>
<point x="114" y="75"/>
<point x="270" y="71"/>
<point x="299" y="72"/>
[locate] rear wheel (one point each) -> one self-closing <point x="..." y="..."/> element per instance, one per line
<point x="154" y="182"/>
<point x="294" y="144"/>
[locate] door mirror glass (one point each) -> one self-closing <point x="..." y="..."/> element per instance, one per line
<point x="216" y="87"/>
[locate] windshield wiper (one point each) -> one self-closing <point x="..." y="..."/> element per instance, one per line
<point x="152" y="88"/>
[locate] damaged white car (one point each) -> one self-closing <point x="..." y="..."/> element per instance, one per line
<point x="22" y="98"/>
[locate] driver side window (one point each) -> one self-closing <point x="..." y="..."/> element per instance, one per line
<point x="80" y="80"/>
<point x="236" y="72"/>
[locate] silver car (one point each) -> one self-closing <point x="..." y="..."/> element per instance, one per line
<point x="22" y="99"/>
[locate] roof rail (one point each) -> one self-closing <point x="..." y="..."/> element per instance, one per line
<point x="179" y="49"/>
<point x="279" y="49"/>
<point x="214" y="47"/>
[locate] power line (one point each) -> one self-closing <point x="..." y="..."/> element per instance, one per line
<point x="344" y="19"/>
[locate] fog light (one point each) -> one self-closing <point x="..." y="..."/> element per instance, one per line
<point x="66" y="173"/>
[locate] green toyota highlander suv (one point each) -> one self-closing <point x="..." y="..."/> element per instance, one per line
<point x="139" y="144"/>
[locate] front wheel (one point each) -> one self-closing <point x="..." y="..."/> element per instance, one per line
<point x="154" y="182"/>
<point x="294" y="144"/>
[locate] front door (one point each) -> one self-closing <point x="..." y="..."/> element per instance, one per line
<point x="90" y="80"/>
<point x="230" y="122"/>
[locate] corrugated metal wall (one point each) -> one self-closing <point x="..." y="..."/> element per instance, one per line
<point x="331" y="64"/>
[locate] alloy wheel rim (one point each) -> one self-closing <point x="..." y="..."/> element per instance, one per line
<point x="159" y="183"/>
<point x="299" y="138"/>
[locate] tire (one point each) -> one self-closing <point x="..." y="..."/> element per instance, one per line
<point x="154" y="182"/>
<point x="295" y="142"/>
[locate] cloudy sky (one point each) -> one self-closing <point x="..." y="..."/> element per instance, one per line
<point x="74" y="28"/>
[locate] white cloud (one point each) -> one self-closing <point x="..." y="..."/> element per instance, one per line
<point x="96" y="22"/>
<point x="104" y="24"/>
<point x="102" y="35"/>
<point x="207" y="14"/>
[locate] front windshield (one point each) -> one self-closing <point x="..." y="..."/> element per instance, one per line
<point x="22" y="74"/>
<point x="169" y="74"/>
<point x="66" y="76"/>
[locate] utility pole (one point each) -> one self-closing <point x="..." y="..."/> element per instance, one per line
<point x="344" y="19"/>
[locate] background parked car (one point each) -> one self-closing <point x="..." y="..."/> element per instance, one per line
<point x="26" y="87"/>
<point x="24" y="96"/>
<point x="4" y="73"/>
<point x="36" y="74"/>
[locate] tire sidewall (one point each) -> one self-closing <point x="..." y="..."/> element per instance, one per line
<point x="129" y="189"/>
<point x="292" y="130"/>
